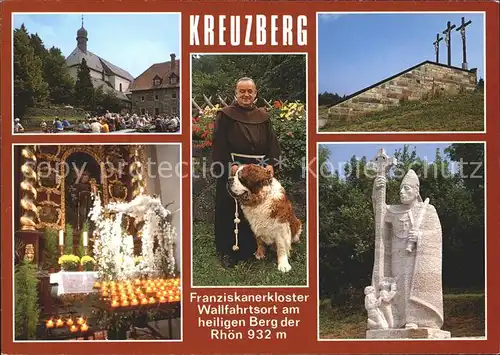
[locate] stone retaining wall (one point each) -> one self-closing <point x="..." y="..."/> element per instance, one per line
<point x="421" y="81"/>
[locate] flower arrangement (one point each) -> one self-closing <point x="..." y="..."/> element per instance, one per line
<point x="203" y="126"/>
<point x="290" y="111"/>
<point x="69" y="262"/>
<point x="88" y="263"/>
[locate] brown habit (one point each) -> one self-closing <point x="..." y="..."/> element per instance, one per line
<point x="249" y="132"/>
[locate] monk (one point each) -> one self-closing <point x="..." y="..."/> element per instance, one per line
<point x="243" y="134"/>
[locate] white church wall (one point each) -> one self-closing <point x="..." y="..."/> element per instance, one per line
<point x="164" y="179"/>
<point x="116" y="81"/>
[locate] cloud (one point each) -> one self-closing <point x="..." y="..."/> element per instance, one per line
<point x="329" y="17"/>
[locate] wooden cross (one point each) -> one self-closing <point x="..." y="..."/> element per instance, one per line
<point x="462" y="32"/>
<point x="447" y="32"/>
<point x="436" y="46"/>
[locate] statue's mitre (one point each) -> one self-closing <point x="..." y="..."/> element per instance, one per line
<point x="411" y="179"/>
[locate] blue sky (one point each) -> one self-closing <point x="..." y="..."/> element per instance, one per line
<point x="358" y="50"/>
<point x="131" y="41"/>
<point x="342" y="153"/>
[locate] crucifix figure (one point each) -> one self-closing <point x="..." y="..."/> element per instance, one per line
<point x="462" y="32"/>
<point x="436" y="46"/>
<point x="447" y="33"/>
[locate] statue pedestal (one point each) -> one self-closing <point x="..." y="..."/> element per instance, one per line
<point x="419" y="333"/>
<point x="34" y="238"/>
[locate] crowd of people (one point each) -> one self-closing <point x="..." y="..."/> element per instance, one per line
<point x="109" y="122"/>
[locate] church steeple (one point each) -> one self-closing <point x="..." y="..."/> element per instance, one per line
<point x="82" y="39"/>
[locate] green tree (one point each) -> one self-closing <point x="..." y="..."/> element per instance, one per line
<point x="29" y="86"/>
<point x="61" y="84"/>
<point x="278" y="77"/>
<point x="84" y="90"/>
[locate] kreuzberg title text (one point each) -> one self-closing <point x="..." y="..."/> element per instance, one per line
<point x="248" y="30"/>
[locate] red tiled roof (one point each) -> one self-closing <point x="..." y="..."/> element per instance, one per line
<point x="163" y="70"/>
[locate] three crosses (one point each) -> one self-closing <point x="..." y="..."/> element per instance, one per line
<point x="447" y="38"/>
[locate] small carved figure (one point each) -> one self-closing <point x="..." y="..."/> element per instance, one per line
<point x="376" y="319"/>
<point x="29" y="252"/>
<point x="387" y="293"/>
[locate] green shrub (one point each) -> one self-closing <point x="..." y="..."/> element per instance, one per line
<point x="51" y="251"/>
<point x="27" y="311"/>
<point x="68" y="239"/>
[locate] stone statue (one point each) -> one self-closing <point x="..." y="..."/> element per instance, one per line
<point x="408" y="256"/>
<point x="386" y="295"/>
<point x="376" y="319"/>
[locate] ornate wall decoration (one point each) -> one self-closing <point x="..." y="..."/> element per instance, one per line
<point x="49" y="152"/>
<point x="45" y="191"/>
<point x="97" y="153"/>
<point x="137" y="170"/>
<point x="50" y="215"/>
<point x="29" y="213"/>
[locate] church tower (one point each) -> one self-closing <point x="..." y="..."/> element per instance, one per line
<point x="82" y="39"/>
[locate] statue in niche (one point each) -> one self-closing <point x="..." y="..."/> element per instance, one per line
<point x="80" y="201"/>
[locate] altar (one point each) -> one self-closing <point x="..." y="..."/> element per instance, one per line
<point x="104" y="231"/>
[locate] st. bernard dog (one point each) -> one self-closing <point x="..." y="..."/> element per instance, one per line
<point x="269" y="212"/>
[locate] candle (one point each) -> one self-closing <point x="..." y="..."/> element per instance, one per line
<point x="49" y="324"/>
<point x="73" y="329"/>
<point x="69" y="322"/>
<point x="84" y="327"/>
<point x="59" y="323"/>
<point x="134" y="302"/>
<point x="144" y="301"/>
<point x="124" y="303"/>
<point x="61" y="237"/>
<point x="152" y="300"/>
<point x="115" y="303"/>
<point x="80" y="321"/>
<point x="85" y="239"/>
<point x="163" y="299"/>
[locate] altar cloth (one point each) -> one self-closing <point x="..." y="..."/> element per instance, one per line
<point x="70" y="282"/>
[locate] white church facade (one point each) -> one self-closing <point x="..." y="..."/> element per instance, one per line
<point x="110" y="77"/>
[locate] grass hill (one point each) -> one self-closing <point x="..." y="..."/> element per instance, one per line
<point x="463" y="317"/>
<point x="463" y="112"/>
<point x="35" y="115"/>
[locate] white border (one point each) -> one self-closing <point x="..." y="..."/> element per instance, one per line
<point x="386" y="144"/>
<point x="307" y="173"/>
<point x="397" y="13"/>
<point x="98" y="13"/>
<point x="182" y="305"/>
